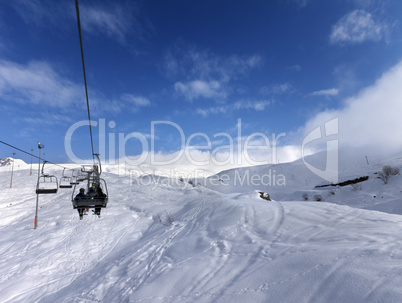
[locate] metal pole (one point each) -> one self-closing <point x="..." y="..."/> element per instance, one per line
<point x="12" y="171"/>
<point x="40" y="146"/>
<point x="30" y="173"/>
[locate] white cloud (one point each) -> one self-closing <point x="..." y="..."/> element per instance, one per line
<point x="43" y="12"/>
<point x="212" y="110"/>
<point x="356" y="27"/>
<point x="277" y="89"/>
<point x="372" y="118"/>
<point x="37" y="83"/>
<point x="196" y="89"/>
<point x="238" y="105"/>
<point x="135" y="101"/>
<point x="126" y="102"/>
<point x="326" y="92"/>
<point x="204" y="74"/>
<point x="192" y="64"/>
<point x="255" y="105"/>
<point x="114" y="21"/>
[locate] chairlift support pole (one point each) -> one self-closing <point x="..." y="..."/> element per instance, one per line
<point x="12" y="171"/>
<point x="30" y="173"/>
<point x="40" y="146"/>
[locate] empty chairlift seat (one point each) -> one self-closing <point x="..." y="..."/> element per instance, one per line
<point x="47" y="184"/>
<point x="74" y="180"/>
<point x="65" y="182"/>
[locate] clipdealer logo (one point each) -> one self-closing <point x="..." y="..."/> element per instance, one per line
<point x="239" y="151"/>
<point x="331" y="171"/>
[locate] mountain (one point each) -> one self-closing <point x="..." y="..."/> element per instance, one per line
<point x="6" y="162"/>
<point x="9" y="161"/>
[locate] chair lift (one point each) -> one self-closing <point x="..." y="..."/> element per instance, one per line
<point x="81" y="176"/>
<point x="47" y="184"/>
<point x="65" y="182"/>
<point x="96" y="193"/>
<point x="73" y="180"/>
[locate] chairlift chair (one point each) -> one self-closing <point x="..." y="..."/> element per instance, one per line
<point x="81" y="177"/>
<point x="89" y="169"/>
<point x="47" y="184"/>
<point x="92" y="199"/>
<point x="86" y="171"/>
<point x="65" y="182"/>
<point x="73" y="179"/>
<point x="96" y="192"/>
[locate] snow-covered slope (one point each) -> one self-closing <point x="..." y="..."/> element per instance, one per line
<point x="292" y="181"/>
<point x="172" y="242"/>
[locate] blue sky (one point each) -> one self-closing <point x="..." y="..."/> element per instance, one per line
<point x="268" y="67"/>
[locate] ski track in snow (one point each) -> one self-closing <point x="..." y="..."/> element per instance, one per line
<point x="166" y="243"/>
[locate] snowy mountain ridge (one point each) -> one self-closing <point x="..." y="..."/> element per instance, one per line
<point x="9" y="161"/>
<point x="6" y="161"/>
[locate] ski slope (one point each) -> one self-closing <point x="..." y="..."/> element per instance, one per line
<point x="162" y="240"/>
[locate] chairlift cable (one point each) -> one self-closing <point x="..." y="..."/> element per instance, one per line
<point x="85" y="77"/>
<point x="25" y="152"/>
<point x="99" y="199"/>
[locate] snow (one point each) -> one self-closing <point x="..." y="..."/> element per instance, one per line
<point x="162" y="240"/>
